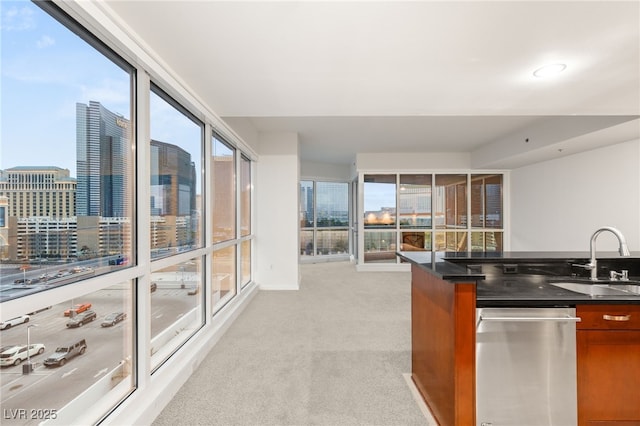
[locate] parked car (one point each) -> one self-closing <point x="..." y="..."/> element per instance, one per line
<point x="65" y="353"/>
<point x="81" y="319"/>
<point x="193" y="290"/>
<point x="113" y="318"/>
<point x="16" y="354"/>
<point x="5" y="325"/>
<point x="80" y="307"/>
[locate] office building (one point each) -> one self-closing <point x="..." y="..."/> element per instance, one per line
<point x="102" y="143"/>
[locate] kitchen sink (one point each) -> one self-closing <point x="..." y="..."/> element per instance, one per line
<point x="596" y="290"/>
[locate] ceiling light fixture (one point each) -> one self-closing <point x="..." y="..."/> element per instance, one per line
<point x="549" y="70"/>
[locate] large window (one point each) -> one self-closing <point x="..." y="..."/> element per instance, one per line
<point x="226" y="238"/>
<point x="436" y="212"/>
<point x="380" y="193"/>
<point x="96" y="294"/>
<point x="176" y="151"/>
<point x="67" y="189"/>
<point x="324" y="218"/>
<point x="176" y="148"/>
<point x="224" y="189"/>
<point x="176" y="307"/>
<point x="245" y="196"/>
<point x="66" y="203"/>
<point x="246" y="191"/>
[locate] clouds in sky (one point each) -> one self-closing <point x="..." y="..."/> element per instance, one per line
<point x="17" y="17"/>
<point x="46" y="70"/>
<point x="45" y="41"/>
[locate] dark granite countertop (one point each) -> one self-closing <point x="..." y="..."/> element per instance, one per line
<point x="526" y="278"/>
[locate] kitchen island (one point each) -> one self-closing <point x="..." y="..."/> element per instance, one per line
<point x="448" y="289"/>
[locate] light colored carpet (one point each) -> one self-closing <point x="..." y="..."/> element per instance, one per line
<point x="332" y="353"/>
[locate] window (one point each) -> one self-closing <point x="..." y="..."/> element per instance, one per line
<point x="324" y="218"/>
<point x="486" y="212"/>
<point x="225" y="238"/>
<point x="176" y="149"/>
<point x="436" y="212"/>
<point x="245" y="220"/>
<point x="223" y="281"/>
<point x="176" y="307"/>
<point x="176" y="181"/>
<point x="245" y="196"/>
<point x="70" y="133"/>
<point x="379" y="194"/>
<point x="224" y="190"/>
<point x="70" y="229"/>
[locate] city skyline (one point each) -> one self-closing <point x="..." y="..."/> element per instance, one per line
<point x="41" y="85"/>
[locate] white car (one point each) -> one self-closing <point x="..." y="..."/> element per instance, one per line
<point x="22" y="319"/>
<point x="16" y="354"/>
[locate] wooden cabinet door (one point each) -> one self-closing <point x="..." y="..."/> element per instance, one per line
<point x="608" y="377"/>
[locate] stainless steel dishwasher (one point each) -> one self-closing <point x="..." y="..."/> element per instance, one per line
<point x="526" y="366"/>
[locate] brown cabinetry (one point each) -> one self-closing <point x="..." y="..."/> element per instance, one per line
<point x="608" y="362"/>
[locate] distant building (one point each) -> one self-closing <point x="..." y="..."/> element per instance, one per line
<point x="38" y="191"/>
<point x="102" y="162"/>
<point x="173" y="197"/>
<point x="43" y="238"/>
<point x="173" y="180"/>
<point x="4" y="228"/>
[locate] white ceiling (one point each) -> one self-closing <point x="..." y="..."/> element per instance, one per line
<point x="394" y="76"/>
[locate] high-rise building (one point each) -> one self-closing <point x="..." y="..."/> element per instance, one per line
<point x="173" y="197"/>
<point x="173" y="180"/>
<point x="102" y="141"/>
<point x="38" y="191"/>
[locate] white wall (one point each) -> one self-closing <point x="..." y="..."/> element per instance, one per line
<point x="324" y="171"/>
<point x="558" y="204"/>
<point x="415" y="161"/>
<point x="277" y="191"/>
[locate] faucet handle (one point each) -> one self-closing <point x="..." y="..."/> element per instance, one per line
<point x="588" y="266"/>
<point x="623" y="275"/>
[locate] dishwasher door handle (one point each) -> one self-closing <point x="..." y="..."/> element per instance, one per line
<point x="529" y="319"/>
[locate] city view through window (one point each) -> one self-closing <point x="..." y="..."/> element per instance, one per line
<point x="425" y="212"/>
<point x="66" y="215"/>
<point x="324" y="219"/>
<point x="70" y="221"/>
<point x="66" y="173"/>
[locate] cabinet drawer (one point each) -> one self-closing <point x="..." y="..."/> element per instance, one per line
<point x="609" y="317"/>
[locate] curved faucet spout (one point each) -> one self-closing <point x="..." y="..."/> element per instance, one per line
<point x="623" y="249"/>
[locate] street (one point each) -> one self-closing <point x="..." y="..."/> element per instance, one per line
<point x="46" y="390"/>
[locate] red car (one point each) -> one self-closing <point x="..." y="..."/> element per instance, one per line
<point x="80" y="307"/>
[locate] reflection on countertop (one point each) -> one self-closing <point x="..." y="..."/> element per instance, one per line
<point x="527" y="278"/>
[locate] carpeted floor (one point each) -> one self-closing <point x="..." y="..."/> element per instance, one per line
<point x="332" y="353"/>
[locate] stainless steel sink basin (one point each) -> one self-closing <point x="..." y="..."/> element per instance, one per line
<point x="595" y="290"/>
<point x="631" y="288"/>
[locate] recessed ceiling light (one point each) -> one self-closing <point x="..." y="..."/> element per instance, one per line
<point x="549" y="70"/>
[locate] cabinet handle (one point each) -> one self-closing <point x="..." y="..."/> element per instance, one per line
<point x="616" y="317"/>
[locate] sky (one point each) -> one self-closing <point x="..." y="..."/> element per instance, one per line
<point x="46" y="69"/>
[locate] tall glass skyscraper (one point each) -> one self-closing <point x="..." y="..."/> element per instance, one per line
<point x="173" y="180"/>
<point x="102" y="140"/>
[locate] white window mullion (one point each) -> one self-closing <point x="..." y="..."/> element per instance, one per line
<point x="143" y="226"/>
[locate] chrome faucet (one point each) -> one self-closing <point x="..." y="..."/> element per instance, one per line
<point x="593" y="263"/>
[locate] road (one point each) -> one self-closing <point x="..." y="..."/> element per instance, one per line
<point x="52" y="388"/>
